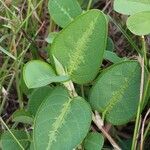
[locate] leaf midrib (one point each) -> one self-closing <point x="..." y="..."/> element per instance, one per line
<point x="58" y="123"/>
<point x="114" y="99"/>
<point x="62" y="9"/>
<point x="77" y="56"/>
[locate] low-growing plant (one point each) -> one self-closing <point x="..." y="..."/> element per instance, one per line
<point x="61" y="116"/>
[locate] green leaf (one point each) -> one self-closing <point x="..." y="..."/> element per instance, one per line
<point x="110" y="44"/>
<point x="22" y="116"/>
<point x="118" y="104"/>
<point x="58" y="66"/>
<point x="112" y="57"/>
<point x="94" y="141"/>
<point x="31" y="146"/>
<point x="126" y="144"/>
<point x="51" y="37"/>
<point x="130" y="7"/>
<point x="64" y="11"/>
<point x="64" y="122"/>
<point x="37" y="73"/>
<point x="139" y="23"/>
<point x="7" y="53"/>
<point x="23" y="87"/>
<point x="8" y="142"/>
<point x="80" y="46"/>
<point x="37" y="97"/>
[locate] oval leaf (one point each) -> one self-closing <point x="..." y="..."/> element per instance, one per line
<point x="22" y="116"/>
<point x="118" y="104"/>
<point x="130" y="7"/>
<point x="139" y="24"/>
<point x="23" y="87"/>
<point x="67" y="123"/>
<point x="51" y="37"/>
<point x="112" y="57"/>
<point x="8" y="142"/>
<point x="37" y="97"/>
<point x="94" y="141"/>
<point x="110" y="45"/>
<point x="37" y="73"/>
<point x="80" y="46"/>
<point x="64" y="11"/>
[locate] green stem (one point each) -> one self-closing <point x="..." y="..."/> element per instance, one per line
<point x="20" y="99"/>
<point x="137" y="123"/>
<point x="26" y="24"/>
<point x="132" y="43"/>
<point x="4" y="67"/>
<point x="26" y="19"/>
<point x="13" y="14"/>
<point x="5" y="96"/>
<point x="20" y="58"/>
<point x="89" y="4"/>
<point x="144" y="49"/>
<point x="1" y="120"/>
<point x="7" y="73"/>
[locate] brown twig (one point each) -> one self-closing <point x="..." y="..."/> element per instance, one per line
<point x="99" y="123"/>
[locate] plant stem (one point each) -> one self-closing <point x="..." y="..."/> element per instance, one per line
<point x="138" y="132"/>
<point x="142" y="130"/>
<point x="26" y="24"/>
<point x="5" y="96"/>
<point x="13" y="14"/>
<point x="26" y="19"/>
<point x="134" y="141"/>
<point x="1" y="120"/>
<point x="69" y="85"/>
<point x="146" y="130"/>
<point x="17" y="74"/>
<point x="4" y="67"/>
<point x="18" y="61"/>
<point x="96" y="118"/>
<point x="89" y="4"/>
<point x="144" y="49"/>
<point x="132" y="43"/>
<point x="20" y="99"/>
<point x="99" y="123"/>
